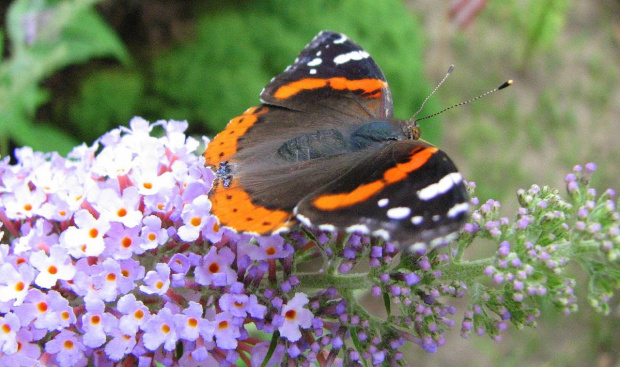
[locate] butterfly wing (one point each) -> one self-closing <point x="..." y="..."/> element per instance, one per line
<point x="274" y="154"/>
<point x="409" y="192"/>
<point x="332" y="73"/>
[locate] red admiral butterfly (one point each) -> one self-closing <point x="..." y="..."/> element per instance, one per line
<point x="324" y="149"/>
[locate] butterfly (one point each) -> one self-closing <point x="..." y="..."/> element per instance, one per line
<point x="323" y="149"/>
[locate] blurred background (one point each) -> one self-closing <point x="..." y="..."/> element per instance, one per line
<point x="72" y="70"/>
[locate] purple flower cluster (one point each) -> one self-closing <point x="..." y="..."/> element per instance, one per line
<point x="534" y="249"/>
<point x="111" y="256"/>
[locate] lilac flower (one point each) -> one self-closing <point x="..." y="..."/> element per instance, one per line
<point x="194" y="216"/>
<point x="157" y="282"/>
<point x="27" y="351"/>
<point x="57" y="266"/>
<point x="295" y="317"/>
<point x="14" y="283"/>
<point x="37" y="237"/>
<point x="216" y="269"/>
<point x="225" y="331"/>
<point x="268" y="248"/>
<point x="241" y="305"/>
<point x="189" y="322"/>
<point x="86" y="238"/>
<point x="135" y="314"/>
<point x="160" y="329"/>
<point x="120" y="345"/>
<point x="122" y="242"/>
<point x="152" y="233"/>
<point x="9" y="326"/>
<point x="96" y="323"/>
<point x="23" y="203"/>
<point x="120" y="208"/>
<point x="48" y="310"/>
<point x="66" y="348"/>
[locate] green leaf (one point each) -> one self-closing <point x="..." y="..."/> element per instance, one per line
<point x="43" y="137"/>
<point x="272" y="347"/>
<point x="387" y="303"/>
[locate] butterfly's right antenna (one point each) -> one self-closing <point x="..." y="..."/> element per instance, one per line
<point x="434" y="90"/>
<point x="506" y="84"/>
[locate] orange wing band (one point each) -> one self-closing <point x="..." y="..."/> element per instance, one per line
<point x="224" y="145"/>
<point x="233" y="207"/>
<point x="371" y="88"/>
<point x="419" y="156"/>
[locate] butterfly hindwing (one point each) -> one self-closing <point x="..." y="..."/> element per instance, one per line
<point x="408" y="191"/>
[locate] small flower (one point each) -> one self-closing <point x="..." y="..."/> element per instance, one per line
<point x="189" y="321"/>
<point x="152" y="233"/>
<point x="23" y="203"/>
<point x="272" y="247"/>
<point x="160" y="329"/>
<point x="86" y="238"/>
<point x="96" y="323"/>
<point x="66" y="348"/>
<point x="295" y="316"/>
<point x="135" y="314"/>
<point x="225" y="331"/>
<point x="57" y="266"/>
<point x="158" y="281"/>
<point x="120" y="208"/>
<point x="216" y="269"/>
<point x="123" y="242"/>
<point x="14" y="284"/>
<point x="9" y="325"/>
<point x="120" y="345"/>
<point x="194" y="217"/>
<point x="240" y="305"/>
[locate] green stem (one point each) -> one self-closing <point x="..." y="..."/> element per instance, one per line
<point x="340" y="282"/>
<point x="465" y="271"/>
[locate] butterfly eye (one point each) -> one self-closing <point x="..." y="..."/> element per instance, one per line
<point x="415" y="132"/>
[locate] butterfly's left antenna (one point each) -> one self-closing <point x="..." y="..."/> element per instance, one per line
<point x="433" y="92"/>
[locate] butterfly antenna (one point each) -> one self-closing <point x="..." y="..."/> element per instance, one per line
<point x="434" y="90"/>
<point x="506" y="84"/>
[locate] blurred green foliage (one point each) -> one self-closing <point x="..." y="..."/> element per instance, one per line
<point x="45" y="37"/>
<point x="540" y="23"/>
<point x="237" y="51"/>
<point x="236" y="48"/>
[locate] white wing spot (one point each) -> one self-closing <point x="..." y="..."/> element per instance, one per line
<point x="312" y="71"/>
<point x="382" y="233"/>
<point x="327" y="227"/>
<point x="436" y="218"/>
<point x="303" y="219"/>
<point x="353" y="55"/>
<point x="458" y="209"/>
<point x="383" y="202"/>
<point x="442" y="186"/>
<point x="418" y="247"/>
<point x="400" y="212"/>
<point x="417" y="220"/>
<point x="340" y="40"/>
<point x="315" y="62"/>
<point x="318" y="53"/>
<point x="360" y="228"/>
